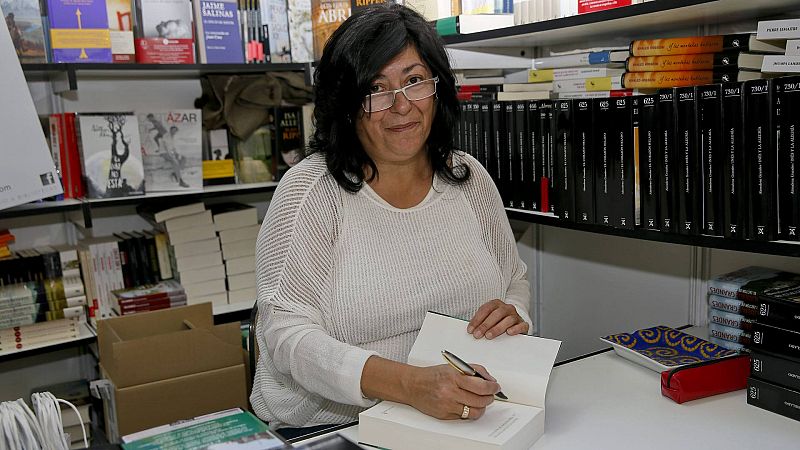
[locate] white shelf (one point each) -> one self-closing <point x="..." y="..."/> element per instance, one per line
<point x="206" y="191"/>
<point x="235" y="307"/>
<point x="86" y="333"/>
<point x="649" y="19"/>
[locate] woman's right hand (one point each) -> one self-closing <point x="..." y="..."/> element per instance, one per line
<point x="442" y="392"/>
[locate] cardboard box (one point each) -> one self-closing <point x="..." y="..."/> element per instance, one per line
<point x="170" y="365"/>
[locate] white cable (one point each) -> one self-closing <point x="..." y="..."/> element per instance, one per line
<point x="80" y="420"/>
<point x="42" y="428"/>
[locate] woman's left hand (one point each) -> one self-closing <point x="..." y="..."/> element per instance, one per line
<point x="494" y="318"/>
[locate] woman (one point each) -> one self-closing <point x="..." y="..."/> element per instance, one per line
<point x="383" y="222"/>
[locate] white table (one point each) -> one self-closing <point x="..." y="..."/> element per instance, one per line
<point x="606" y="402"/>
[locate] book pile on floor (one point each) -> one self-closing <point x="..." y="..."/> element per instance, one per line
<point x="149" y="297"/>
<point x="757" y="309"/>
<point x="237" y="228"/>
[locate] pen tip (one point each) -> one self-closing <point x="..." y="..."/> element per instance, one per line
<point x="501" y="395"/>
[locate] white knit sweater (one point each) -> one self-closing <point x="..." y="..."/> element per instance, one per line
<point x="345" y="276"/>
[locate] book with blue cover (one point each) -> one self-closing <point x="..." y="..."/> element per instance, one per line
<point x="79" y="31"/>
<point x="218" y="33"/>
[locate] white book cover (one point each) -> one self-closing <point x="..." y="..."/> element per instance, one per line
<point x="240" y="265"/>
<point x="111" y="155"/>
<point x="172" y="149"/>
<point x="238" y="249"/>
<point x="778" y="29"/>
<point x="274" y="15"/>
<point x="793" y="47"/>
<point x="196" y="248"/>
<point x="33" y="175"/>
<point x="302" y="41"/>
<point x="200" y="233"/>
<point x="521" y="364"/>
<point x="245" y="280"/>
<point x="190" y="221"/>
<point x="247" y="295"/>
<point x="171" y="19"/>
<point x="239" y="234"/>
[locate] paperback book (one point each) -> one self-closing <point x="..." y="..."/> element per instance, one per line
<point x="165" y="32"/>
<point x="79" y="31"/>
<point x="274" y="15"/>
<point x="111" y="155"/>
<point x="24" y="22"/>
<point x="218" y="34"/>
<point x="217" y="159"/>
<point x="327" y="16"/>
<point x="120" y="26"/>
<point x="253" y="156"/>
<point x="172" y="149"/>
<point x="300" y="34"/>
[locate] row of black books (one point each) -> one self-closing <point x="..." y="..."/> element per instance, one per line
<point x="770" y="303"/>
<point x="716" y="159"/>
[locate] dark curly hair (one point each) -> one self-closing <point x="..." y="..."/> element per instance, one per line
<point x="352" y="59"/>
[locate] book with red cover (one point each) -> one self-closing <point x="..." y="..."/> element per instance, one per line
<point x="165" y="33"/>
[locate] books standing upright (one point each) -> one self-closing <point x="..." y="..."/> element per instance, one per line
<point x="24" y="22"/>
<point x="165" y="34"/>
<point x="300" y="35"/>
<point x="111" y="155"/>
<point x="79" y="31"/>
<point x="172" y="149"/>
<point x="327" y="16"/>
<point x="218" y="34"/>
<point x="521" y="364"/>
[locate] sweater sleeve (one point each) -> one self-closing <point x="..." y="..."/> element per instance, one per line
<point x="294" y="257"/>
<point x="485" y="200"/>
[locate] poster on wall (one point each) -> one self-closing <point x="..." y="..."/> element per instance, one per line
<point x="27" y="171"/>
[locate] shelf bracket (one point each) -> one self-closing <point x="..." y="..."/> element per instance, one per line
<point x="64" y="81"/>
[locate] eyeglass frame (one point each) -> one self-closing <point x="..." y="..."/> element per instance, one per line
<point x="403" y="90"/>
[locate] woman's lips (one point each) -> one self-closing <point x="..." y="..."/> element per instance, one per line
<point x="403" y="127"/>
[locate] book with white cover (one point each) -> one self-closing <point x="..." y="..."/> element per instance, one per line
<point x="111" y="154"/>
<point x="461" y="59"/>
<point x="793" y="47"/>
<point x="521" y="364"/>
<point x="178" y="211"/>
<point x="239" y="234"/>
<point x="781" y="64"/>
<point x="778" y="29"/>
<point x="172" y="149"/>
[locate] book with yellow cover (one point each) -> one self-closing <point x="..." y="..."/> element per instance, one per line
<point x="326" y="16"/>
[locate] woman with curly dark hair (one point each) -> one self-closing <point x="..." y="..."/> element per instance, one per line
<point x="384" y="221"/>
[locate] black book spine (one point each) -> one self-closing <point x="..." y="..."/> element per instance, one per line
<point x="583" y="161"/>
<point x="125" y="262"/>
<point x="648" y="162"/>
<point x="667" y="198"/>
<point x="498" y="130"/>
<point x="480" y="149"/>
<point x="734" y="192"/>
<point x="622" y="157"/>
<point x="787" y="123"/>
<point x="532" y="147"/>
<point x="776" y="340"/>
<point x="774" y="398"/>
<point x="709" y="118"/>
<point x="564" y="160"/>
<point x="688" y="163"/>
<point x="152" y="255"/>
<point x="487" y="141"/>
<point x="511" y="156"/>
<point x="521" y="141"/>
<point x="465" y="139"/>
<point x="602" y="161"/>
<point x="778" y="312"/>
<point x="773" y="369"/>
<point x="761" y="161"/>
<point x="458" y="128"/>
<point x="143" y="257"/>
<point x="545" y="131"/>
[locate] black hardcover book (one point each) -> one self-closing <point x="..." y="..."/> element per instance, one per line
<point x="667" y="170"/>
<point x="532" y="147"/>
<point x="500" y="149"/>
<point x="128" y="276"/>
<point x="143" y="257"/>
<point x="152" y="254"/>
<point x="480" y="150"/>
<point x="688" y="163"/>
<point x="623" y="200"/>
<point x="134" y="259"/>
<point x="761" y="160"/>
<point x="648" y="162"/>
<point x="774" y="398"/>
<point x="512" y="156"/>
<point x="487" y="142"/>
<point x="787" y="122"/>
<point x="779" y="341"/>
<point x="465" y="139"/>
<point x="545" y="149"/>
<point x="565" y="178"/>
<point x="709" y="122"/>
<point x="774" y="369"/>
<point x="521" y="144"/>
<point x="778" y="301"/>
<point x="583" y="163"/>
<point x="734" y="187"/>
<point x="602" y="117"/>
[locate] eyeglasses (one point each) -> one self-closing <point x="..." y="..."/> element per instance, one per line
<point x="413" y="92"/>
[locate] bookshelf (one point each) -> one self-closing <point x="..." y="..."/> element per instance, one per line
<point x="661" y="15"/>
<point x="85" y="336"/>
<point x="66" y="75"/>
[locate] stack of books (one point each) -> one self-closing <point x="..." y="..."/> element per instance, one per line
<point x="149" y="297"/>
<point x="237" y="226"/>
<point x="784" y="33"/>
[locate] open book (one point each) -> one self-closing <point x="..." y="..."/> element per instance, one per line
<point x="521" y="364"/>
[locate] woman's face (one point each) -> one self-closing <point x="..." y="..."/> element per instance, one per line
<point x="398" y="134"/>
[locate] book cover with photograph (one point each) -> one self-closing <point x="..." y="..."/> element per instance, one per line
<point x="120" y="26"/>
<point x="274" y="16"/>
<point x="253" y="156"/>
<point x="79" y="31"/>
<point x="172" y="149"/>
<point x="24" y="22"/>
<point x="111" y="155"/>
<point x="165" y="33"/>
<point x="300" y="35"/>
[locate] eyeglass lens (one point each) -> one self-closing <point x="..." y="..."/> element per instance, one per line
<point x="414" y="92"/>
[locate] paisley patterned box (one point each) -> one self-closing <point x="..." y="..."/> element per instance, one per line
<point x="662" y="348"/>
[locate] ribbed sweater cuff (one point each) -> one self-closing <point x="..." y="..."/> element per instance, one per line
<point x="353" y="362"/>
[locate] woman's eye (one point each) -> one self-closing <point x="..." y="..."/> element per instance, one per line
<point x="375" y="89"/>
<point x="414" y="80"/>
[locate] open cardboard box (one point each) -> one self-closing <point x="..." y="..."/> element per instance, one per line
<point x="171" y="364"/>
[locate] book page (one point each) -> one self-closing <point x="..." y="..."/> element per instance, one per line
<point x="521" y="363"/>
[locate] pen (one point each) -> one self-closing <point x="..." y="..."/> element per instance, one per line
<point x="466" y="369"/>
